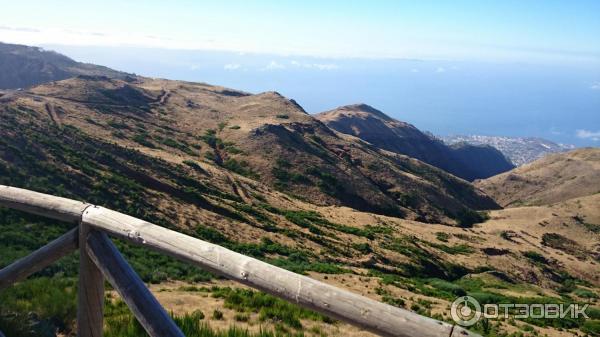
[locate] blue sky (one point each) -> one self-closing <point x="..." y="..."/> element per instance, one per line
<point x="515" y="68"/>
<point x="535" y="31"/>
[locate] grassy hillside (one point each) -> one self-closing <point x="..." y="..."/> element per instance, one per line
<point x="256" y="174"/>
<point x="554" y="178"/>
<point x="263" y="137"/>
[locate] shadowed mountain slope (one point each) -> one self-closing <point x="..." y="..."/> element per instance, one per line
<point x="24" y="66"/>
<point x="465" y="161"/>
<point x="256" y="174"/>
<point x="265" y="137"/>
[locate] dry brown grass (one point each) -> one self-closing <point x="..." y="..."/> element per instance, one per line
<point x="554" y="178"/>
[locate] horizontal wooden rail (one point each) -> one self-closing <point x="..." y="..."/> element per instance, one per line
<point x="360" y="311"/>
<point x="42" y="204"/>
<point x="132" y="289"/>
<point x="363" y="312"/>
<point x="40" y="259"/>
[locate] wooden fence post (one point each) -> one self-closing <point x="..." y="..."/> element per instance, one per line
<point x="146" y="308"/>
<point x="90" y="306"/>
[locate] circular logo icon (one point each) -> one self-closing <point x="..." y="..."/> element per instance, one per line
<point x="465" y="311"/>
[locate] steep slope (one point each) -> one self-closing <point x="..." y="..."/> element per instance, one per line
<point x="265" y="137"/>
<point x="520" y="150"/>
<point x="176" y="153"/>
<point x="373" y="126"/>
<point x="24" y="66"/>
<point x="484" y="159"/>
<point x="554" y="178"/>
<point x="258" y="175"/>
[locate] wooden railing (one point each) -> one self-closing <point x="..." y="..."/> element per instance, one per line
<point x="100" y="260"/>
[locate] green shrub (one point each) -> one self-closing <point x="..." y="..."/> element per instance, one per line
<point x="240" y="167"/>
<point x="194" y="165"/>
<point x="297" y="263"/>
<point x="53" y="300"/>
<point x="328" y="183"/>
<point x="241" y="317"/>
<point x="591" y="327"/>
<point x="121" y="323"/>
<point x="585" y="293"/>
<point x="284" y="177"/>
<point x="395" y="301"/>
<point x="441" y="236"/>
<point x="535" y="257"/>
<point x="217" y="315"/>
<point x="118" y="134"/>
<point x="177" y="145"/>
<point x="462" y="248"/>
<point x="467" y="217"/>
<point x="210" y="155"/>
<point x="211" y="235"/>
<point x="593" y="312"/>
<point x="210" y="138"/>
<point x="363" y="248"/>
<point x="267" y="306"/>
<point x="143" y="139"/>
<point x="117" y="124"/>
<point x="448" y="287"/>
<point x="594" y="228"/>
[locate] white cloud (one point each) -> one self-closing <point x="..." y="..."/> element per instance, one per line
<point x="414" y="70"/>
<point x="232" y="66"/>
<point x="43" y="36"/>
<point x="273" y="65"/>
<point x="318" y="66"/>
<point x="595" y="86"/>
<point x="586" y="134"/>
<point x="20" y="29"/>
<point x="440" y="70"/>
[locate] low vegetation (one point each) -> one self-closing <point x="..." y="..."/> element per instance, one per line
<point x="266" y="306"/>
<point x="121" y="323"/>
<point x="240" y="167"/>
<point x="467" y="217"/>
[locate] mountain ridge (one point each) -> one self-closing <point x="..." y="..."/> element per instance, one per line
<point x="379" y="129"/>
<point x="259" y="176"/>
<point x="554" y="178"/>
<point x="24" y="66"/>
<point x="264" y="135"/>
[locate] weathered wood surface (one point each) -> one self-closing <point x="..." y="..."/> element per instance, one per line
<point x="363" y="312"/>
<point x="41" y="204"/>
<point x="40" y="259"/>
<point x="128" y="284"/>
<point x="90" y="306"/>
